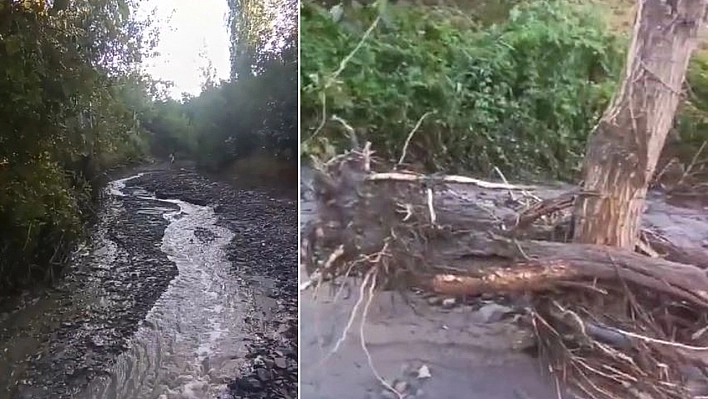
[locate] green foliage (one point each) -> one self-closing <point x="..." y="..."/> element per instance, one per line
<point x="39" y="214"/>
<point x="239" y="118"/>
<point x="256" y="110"/>
<point x="692" y="118"/>
<point x="521" y="95"/>
<point x="70" y="104"/>
<point x="230" y="120"/>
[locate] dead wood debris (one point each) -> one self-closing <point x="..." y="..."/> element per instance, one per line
<point x="611" y="324"/>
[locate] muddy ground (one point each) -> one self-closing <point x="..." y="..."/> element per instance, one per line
<point x="51" y="346"/>
<point x="264" y="247"/>
<point x="472" y="349"/>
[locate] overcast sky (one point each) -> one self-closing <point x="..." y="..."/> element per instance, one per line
<point x="194" y="26"/>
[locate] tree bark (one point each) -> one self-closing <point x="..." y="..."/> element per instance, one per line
<point x="479" y="263"/>
<point x="625" y="146"/>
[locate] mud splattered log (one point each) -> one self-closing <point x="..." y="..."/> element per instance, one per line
<point x="480" y="263"/>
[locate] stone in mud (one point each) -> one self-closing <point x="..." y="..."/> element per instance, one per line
<point x="280" y="362"/>
<point x="434" y="301"/>
<point x="269" y="363"/>
<point x="449" y="303"/>
<point x="493" y="312"/>
<point x="247" y="384"/>
<point x="263" y="374"/>
<point x="423" y="372"/>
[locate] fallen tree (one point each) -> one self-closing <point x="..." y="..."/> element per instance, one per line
<point x="611" y="323"/>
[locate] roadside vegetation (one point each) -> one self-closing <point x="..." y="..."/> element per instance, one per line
<point x="228" y="120"/>
<point x="76" y="105"/>
<point x="513" y="85"/>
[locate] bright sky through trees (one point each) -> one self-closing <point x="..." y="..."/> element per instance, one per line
<point x="189" y="28"/>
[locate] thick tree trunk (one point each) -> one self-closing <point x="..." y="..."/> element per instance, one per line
<point x="625" y="146"/>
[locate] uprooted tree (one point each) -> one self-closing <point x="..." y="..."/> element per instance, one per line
<point x="611" y="322"/>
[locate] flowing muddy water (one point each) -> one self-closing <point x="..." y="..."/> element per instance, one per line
<point x="190" y="344"/>
<point x="175" y="353"/>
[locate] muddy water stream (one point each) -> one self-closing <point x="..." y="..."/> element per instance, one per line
<point x="190" y="343"/>
<point x="175" y="353"/>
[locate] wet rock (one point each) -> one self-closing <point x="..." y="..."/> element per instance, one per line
<point x="493" y="312"/>
<point x="248" y="384"/>
<point x="263" y="374"/>
<point x="434" y="300"/>
<point x="424" y="372"/>
<point x="449" y="303"/>
<point x="280" y="363"/>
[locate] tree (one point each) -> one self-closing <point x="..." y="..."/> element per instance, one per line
<point x="624" y="148"/>
<point x="209" y="76"/>
<point x="610" y="322"/>
<point x="70" y="76"/>
<point x="261" y="31"/>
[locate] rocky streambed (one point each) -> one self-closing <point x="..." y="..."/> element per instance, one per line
<point x="186" y="290"/>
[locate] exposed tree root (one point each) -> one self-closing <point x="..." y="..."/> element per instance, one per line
<point x="611" y="323"/>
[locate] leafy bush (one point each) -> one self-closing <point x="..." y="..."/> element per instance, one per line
<point x="521" y="95"/>
<point x="692" y="118"/>
<point x="68" y="81"/>
<point x="40" y="216"/>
